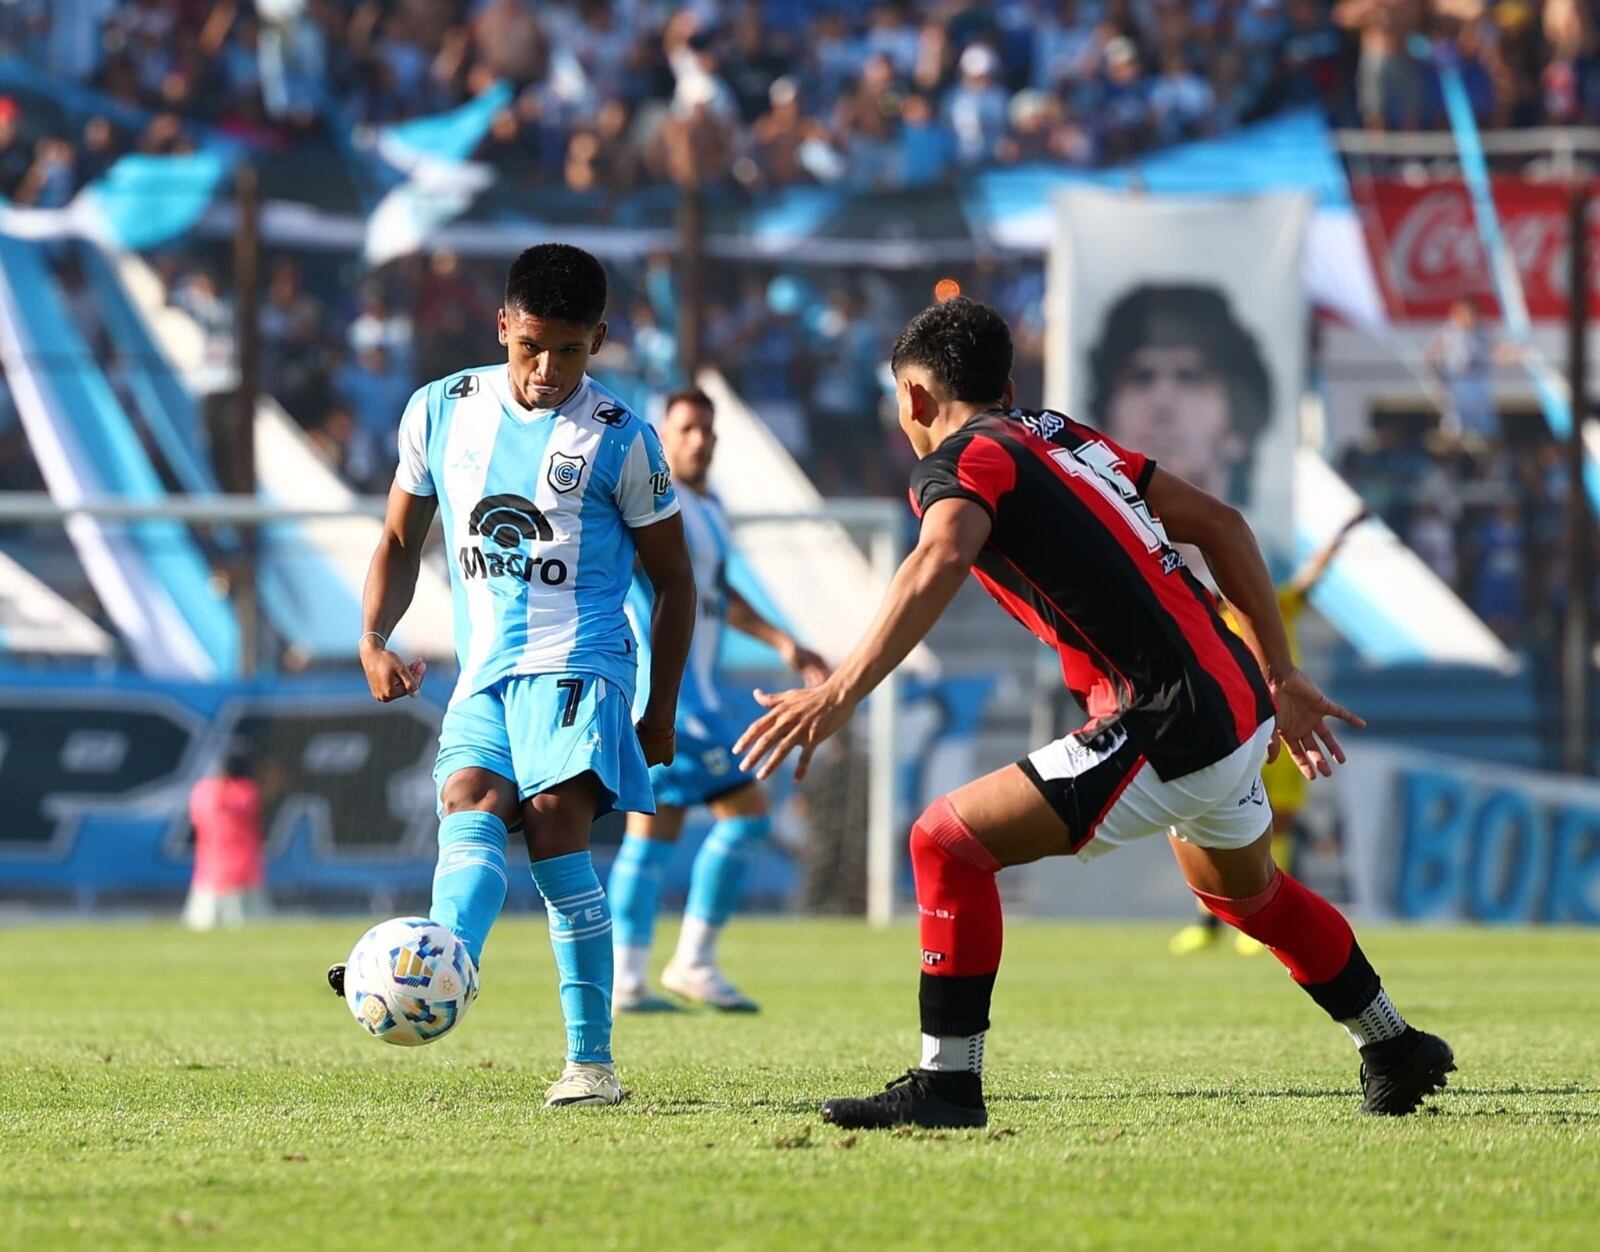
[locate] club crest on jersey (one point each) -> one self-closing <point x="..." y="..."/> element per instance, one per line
<point x="565" y="472"/>
<point x="1046" y="425"/>
<point x="611" y="415"/>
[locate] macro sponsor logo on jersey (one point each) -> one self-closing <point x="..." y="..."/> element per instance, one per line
<point x="506" y="525"/>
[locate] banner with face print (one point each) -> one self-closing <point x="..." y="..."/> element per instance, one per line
<point x="1177" y="325"/>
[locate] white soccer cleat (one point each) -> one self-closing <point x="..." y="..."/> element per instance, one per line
<point x="584" y="1082"/>
<point x="640" y="999"/>
<point x="704" y="984"/>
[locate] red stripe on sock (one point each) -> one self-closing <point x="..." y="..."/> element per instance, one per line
<point x="1304" y="931"/>
<point x="957" y="898"/>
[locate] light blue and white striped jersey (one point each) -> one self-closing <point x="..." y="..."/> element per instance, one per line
<point x="705" y="531"/>
<point x="537" y="506"/>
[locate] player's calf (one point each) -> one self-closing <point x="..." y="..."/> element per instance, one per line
<point x="958" y="901"/>
<point x="1400" y="1064"/>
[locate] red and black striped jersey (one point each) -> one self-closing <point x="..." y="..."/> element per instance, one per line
<point x="1078" y="558"/>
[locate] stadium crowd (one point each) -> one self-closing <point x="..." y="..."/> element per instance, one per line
<point x="1488" y="516"/>
<point x="613" y="96"/>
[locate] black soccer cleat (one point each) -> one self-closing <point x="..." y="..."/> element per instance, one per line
<point x="336" y="979"/>
<point x="1397" y="1073"/>
<point x="919" y="1097"/>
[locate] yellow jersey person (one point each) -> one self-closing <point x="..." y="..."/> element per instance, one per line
<point x="1285" y="786"/>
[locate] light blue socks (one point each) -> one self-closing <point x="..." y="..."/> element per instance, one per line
<point x="634" y="888"/>
<point x="720" y="867"/>
<point x="469" y="882"/>
<point x="580" y="934"/>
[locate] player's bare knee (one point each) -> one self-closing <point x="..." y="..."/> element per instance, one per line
<point x="1232" y="873"/>
<point x="482" y="790"/>
<point x="748" y="801"/>
<point x="665" y="825"/>
<point x="549" y="838"/>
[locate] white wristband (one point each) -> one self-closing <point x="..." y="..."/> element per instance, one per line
<point x="379" y="636"/>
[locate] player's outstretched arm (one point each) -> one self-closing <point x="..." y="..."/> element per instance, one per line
<point x="664" y="556"/>
<point x="1310" y="574"/>
<point x="744" y="617"/>
<point x="954" y="531"/>
<point x="1225" y="538"/>
<point x="391" y="582"/>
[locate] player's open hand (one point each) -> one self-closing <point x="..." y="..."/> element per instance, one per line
<point x="388" y="677"/>
<point x="801" y="719"/>
<point x="1303" y="713"/>
<point x="813" y="670"/>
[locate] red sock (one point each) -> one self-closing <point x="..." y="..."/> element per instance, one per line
<point x="1303" y="930"/>
<point x="961" y="927"/>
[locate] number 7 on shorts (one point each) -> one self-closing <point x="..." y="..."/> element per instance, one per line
<point x="574" y="689"/>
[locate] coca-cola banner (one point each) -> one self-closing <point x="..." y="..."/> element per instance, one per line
<point x="1177" y="325"/>
<point x="1427" y="253"/>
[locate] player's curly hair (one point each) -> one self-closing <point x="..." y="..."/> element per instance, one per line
<point x="964" y="344"/>
<point x="1185" y="315"/>
<point x="559" y="282"/>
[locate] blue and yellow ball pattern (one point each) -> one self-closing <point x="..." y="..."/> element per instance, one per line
<point x="410" y="981"/>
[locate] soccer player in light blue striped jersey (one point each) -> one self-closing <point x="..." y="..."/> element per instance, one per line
<point x="705" y="770"/>
<point x="547" y="487"/>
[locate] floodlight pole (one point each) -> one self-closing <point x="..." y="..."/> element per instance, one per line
<point x="241" y="445"/>
<point x="1577" y="667"/>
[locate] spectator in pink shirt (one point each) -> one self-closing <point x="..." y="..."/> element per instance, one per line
<point x="229" y="883"/>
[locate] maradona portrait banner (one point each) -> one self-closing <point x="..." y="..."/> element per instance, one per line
<point x="1177" y="325"/>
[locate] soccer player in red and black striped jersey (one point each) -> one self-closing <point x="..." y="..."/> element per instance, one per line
<point x="1074" y="537"/>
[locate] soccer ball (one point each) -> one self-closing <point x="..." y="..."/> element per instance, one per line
<point x="410" y="981"/>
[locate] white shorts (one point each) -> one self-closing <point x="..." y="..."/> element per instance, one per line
<point x="1109" y="795"/>
<point x="207" y="908"/>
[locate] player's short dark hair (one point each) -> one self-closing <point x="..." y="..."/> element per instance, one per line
<point x="559" y="282"/>
<point x="964" y="344"/>
<point x="1183" y="315"/>
<point x="689" y="395"/>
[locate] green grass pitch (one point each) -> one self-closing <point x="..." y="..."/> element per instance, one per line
<point x="159" y="1089"/>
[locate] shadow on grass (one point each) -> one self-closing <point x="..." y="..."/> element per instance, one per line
<point x="1245" y="1093"/>
<point x="689" y="1106"/>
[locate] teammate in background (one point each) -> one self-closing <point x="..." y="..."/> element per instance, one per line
<point x="1286" y="788"/>
<point x="1074" y="536"/>
<point x="547" y="486"/>
<point x="704" y="770"/>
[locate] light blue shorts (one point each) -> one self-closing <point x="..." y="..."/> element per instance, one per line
<point x="541" y="729"/>
<point x="703" y="766"/>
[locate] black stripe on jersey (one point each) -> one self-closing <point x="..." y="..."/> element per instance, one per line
<point x="1022" y="540"/>
<point x="1236" y="645"/>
